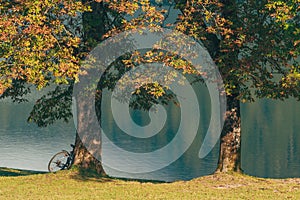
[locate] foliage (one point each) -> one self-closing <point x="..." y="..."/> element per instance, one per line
<point x="55" y="105"/>
<point x="37" y="44"/>
<point x="255" y="45"/>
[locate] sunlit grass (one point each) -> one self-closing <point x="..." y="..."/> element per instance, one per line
<point x="73" y="185"/>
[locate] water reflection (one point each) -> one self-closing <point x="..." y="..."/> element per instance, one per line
<point x="270" y="141"/>
<point x="26" y="146"/>
<point x="187" y="166"/>
<point x="271" y="138"/>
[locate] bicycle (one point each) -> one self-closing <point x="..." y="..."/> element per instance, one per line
<point x="62" y="160"/>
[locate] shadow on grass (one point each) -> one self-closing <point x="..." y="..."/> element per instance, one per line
<point x="17" y="172"/>
<point x="76" y="173"/>
<point x="91" y="175"/>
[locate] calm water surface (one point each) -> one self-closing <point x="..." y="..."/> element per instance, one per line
<point x="270" y="141"/>
<point x="27" y="146"/>
<point x="271" y="138"/>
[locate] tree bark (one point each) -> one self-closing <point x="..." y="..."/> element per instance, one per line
<point x="230" y="141"/>
<point x="85" y="160"/>
<point x="88" y="136"/>
<point x="87" y="151"/>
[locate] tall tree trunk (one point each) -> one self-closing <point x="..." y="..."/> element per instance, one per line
<point x="88" y="138"/>
<point x="230" y="141"/>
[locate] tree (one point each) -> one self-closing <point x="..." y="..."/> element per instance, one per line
<point x="255" y="45"/>
<point x="43" y="44"/>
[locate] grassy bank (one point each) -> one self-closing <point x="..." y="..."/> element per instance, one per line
<point x="74" y="185"/>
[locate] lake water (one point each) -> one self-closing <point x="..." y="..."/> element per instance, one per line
<point x="271" y="138"/>
<point x="270" y="141"/>
<point x="26" y="146"/>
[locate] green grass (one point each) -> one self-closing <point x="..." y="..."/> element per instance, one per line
<point x="73" y="185"/>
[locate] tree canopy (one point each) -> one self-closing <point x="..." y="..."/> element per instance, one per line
<point x="251" y="41"/>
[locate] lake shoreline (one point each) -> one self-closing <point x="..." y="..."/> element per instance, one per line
<point x="70" y="184"/>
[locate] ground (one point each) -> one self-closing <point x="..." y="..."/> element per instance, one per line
<point x="72" y="184"/>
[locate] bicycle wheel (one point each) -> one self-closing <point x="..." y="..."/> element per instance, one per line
<point x="59" y="161"/>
